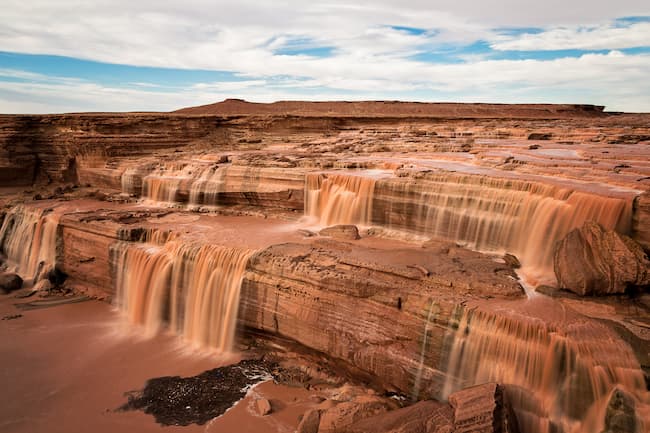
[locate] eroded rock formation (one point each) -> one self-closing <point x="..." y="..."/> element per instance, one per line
<point x="594" y="261"/>
<point x="214" y="218"/>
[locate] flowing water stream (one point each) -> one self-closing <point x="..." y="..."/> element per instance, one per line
<point x="192" y="289"/>
<point x="559" y="368"/>
<point x="28" y="240"/>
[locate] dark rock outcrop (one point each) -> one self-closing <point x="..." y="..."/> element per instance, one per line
<point x="594" y="261"/>
<point x="540" y="136"/>
<point x="512" y="261"/>
<point x="620" y="415"/>
<point x="10" y="282"/>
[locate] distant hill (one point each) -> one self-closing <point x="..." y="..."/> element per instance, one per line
<point x="395" y="109"/>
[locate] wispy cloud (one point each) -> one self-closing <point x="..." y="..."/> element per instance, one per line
<point x="603" y="37"/>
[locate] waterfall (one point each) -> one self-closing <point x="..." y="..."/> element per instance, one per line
<point x="164" y="184"/>
<point x="524" y="218"/>
<point x="28" y="239"/>
<point x="496" y="215"/>
<point x="339" y="198"/>
<point x="197" y="183"/>
<point x="193" y="289"/>
<point x="487" y="214"/>
<point x="205" y="190"/>
<point x="559" y="372"/>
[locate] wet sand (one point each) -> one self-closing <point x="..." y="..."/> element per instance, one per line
<point x="66" y="369"/>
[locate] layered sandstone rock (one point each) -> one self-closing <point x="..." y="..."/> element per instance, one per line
<point x="641" y="227"/>
<point x="425" y="318"/>
<point x="369" y="307"/>
<point x="594" y="261"/>
<point x="424" y="416"/>
<point x="482" y="408"/>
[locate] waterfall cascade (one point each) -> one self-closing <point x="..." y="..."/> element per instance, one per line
<point x="486" y="214"/>
<point x="339" y="198"/>
<point x="193" y="289"/>
<point x="163" y="184"/>
<point x="559" y="375"/>
<point x="28" y="239"/>
<point x="199" y="183"/>
<point x="496" y="215"/>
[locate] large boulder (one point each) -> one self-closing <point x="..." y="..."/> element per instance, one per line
<point x="620" y="414"/>
<point x="10" y="282"/>
<point x="482" y="408"/>
<point x="593" y="261"/>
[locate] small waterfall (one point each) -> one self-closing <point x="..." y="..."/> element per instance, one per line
<point x="193" y="289"/>
<point x="165" y="183"/>
<point x="28" y="239"/>
<point x="339" y="198"/>
<point x="558" y="374"/>
<point x="423" y="350"/>
<point x="205" y="190"/>
<point x="497" y="215"/>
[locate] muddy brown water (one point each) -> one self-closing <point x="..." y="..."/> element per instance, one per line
<point x="66" y="369"/>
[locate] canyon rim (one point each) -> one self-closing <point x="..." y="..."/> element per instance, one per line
<point x="392" y="266"/>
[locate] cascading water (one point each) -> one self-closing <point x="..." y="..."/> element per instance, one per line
<point x="205" y="190"/>
<point x="162" y="186"/>
<point x="559" y="374"/>
<point x="339" y="198"/>
<point x="486" y="214"/>
<point x="496" y="215"/>
<point x="204" y="183"/>
<point x="193" y="289"/>
<point x="28" y="239"/>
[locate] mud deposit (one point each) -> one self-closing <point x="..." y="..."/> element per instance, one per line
<point x="174" y="400"/>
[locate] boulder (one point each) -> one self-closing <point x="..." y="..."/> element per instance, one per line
<point x="620" y="415"/>
<point x="425" y="416"/>
<point x="262" y="406"/>
<point x="512" y="261"/>
<point x="43" y="286"/>
<point x="342" y="415"/>
<point x="56" y="276"/>
<point x="593" y="261"/>
<point x="540" y="136"/>
<point x="309" y="422"/>
<point x="482" y="408"/>
<point x="10" y="282"/>
<point x="345" y="232"/>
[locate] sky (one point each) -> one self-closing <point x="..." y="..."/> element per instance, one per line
<point x="145" y="55"/>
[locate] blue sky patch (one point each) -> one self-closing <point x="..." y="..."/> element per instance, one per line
<point x="108" y="73"/>
<point x="410" y="30"/>
<point x="303" y="47"/>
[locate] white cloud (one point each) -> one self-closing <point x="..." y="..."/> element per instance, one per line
<point x="602" y="37"/>
<point x="616" y="80"/>
<point x="370" y="59"/>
